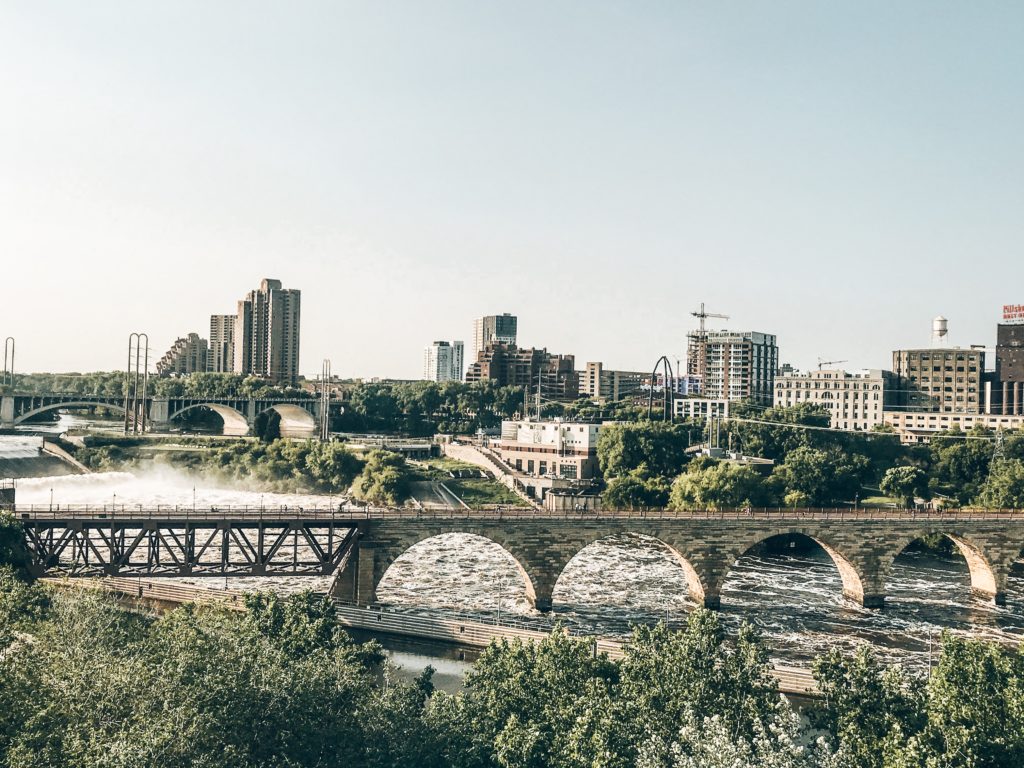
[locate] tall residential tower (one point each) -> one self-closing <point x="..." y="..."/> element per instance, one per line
<point x="443" y="361"/>
<point x="221" y="358"/>
<point x="267" y="333"/>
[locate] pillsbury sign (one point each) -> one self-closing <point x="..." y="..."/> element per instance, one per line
<point x="1013" y="314"/>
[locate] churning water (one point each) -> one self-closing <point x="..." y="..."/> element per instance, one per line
<point x="795" y="600"/>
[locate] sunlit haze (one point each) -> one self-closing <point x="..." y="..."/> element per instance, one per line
<point x="834" y="174"/>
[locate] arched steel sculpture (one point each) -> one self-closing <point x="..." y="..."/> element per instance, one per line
<point x="668" y="382"/>
<point x="8" y="379"/>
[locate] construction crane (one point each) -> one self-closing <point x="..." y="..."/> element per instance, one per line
<point x="823" y="363"/>
<point x="702" y="338"/>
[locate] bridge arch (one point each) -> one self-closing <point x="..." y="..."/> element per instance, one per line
<point x="852" y="572"/>
<point x="695" y="583"/>
<point x="988" y="578"/>
<point x="296" y="420"/>
<point x="384" y="558"/>
<point x="235" y="423"/>
<point x="69" y="404"/>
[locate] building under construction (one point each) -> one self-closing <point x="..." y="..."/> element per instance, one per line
<point x="734" y="365"/>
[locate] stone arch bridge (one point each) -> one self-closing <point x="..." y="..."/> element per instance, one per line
<point x="239" y="413"/>
<point x="863" y="544"/>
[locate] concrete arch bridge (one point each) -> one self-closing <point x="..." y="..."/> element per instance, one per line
<point x="299" y="415"/>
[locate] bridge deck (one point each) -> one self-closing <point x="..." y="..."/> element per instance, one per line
<point x="352" y="513"/>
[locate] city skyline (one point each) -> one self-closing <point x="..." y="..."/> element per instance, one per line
<point x="833" y="176"/>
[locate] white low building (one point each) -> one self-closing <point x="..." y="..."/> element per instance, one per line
<point x="700" y="408"/>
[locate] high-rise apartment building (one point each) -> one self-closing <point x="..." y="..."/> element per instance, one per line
<point x="221" y="358"/>
<point x="443" y="361"/>
<point x="267" y="333"/>
<point x="734" y="365"/>
<point x="855" y="401"/>
<point x="493" y="329"/>
<point x="187" y="355"/>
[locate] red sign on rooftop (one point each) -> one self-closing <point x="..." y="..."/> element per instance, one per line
<point x="1013" y="313"/>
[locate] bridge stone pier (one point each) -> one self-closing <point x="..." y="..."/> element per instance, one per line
<point x="862" y="546"/>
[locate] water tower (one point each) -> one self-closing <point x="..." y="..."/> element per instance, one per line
<point x="940" y="330"/>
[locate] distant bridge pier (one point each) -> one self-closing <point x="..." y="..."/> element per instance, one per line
<point x="160" y="414"/>
<point x="6" y="411"/>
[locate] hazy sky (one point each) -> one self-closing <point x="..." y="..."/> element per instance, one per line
<point x="834" y="173"/>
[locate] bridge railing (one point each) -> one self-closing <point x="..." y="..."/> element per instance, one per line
<point x="350" y="513"/>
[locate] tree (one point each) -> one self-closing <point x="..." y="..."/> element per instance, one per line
<point x="710" y="484"/>
<point x="906" y="484"/>
<point x="710" y="743"/>
<point x="821" y="477"/>
<point x="774" y="432"/>
<point x="636" y="490"/>
<point x="656" y="449"/>
<point x="332" y="466"/>
<point x="13" y="550"/>
<point x="669" y="678"/>
<point x="384" y="479"/>
<point x="869" y="710"/>
<point x="975" y="697"/>
<point x="1004" y="487"/>
<point x="960" y="465"/>
<point x="524" y="703"/>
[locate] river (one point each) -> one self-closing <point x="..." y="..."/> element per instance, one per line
<point x="795" y="600"/>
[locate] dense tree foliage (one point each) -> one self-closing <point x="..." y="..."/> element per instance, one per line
<point x="13" y="552"/>
<point x="424" y="408"/>
<point x="960" y="463"/>
<point x="1004" y="487"/>
<point x="905" y="483"/>
<point x="813" y="464"/>
<point x="637" y="490"/>
<point x="710" y="484"/>
<point x="194" y="385"/>
<point x="384" y="479"/>
<point x="280" y="465"/>
<point x="965" y="715"/>
<point x="651" y="448"/>
<point x="821" y="477"/>
<point x="85" y="683"/>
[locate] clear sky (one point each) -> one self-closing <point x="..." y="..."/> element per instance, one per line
<point x="835" y="173"/>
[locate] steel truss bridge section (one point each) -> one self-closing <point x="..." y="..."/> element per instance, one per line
<point x="196" y="548"/>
